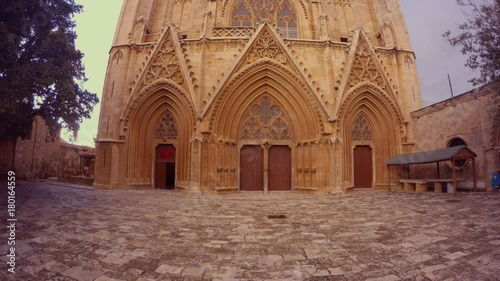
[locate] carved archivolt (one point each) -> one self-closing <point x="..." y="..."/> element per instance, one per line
<point x="265" y="46"/>
<point x="148" y="95"/>
<point x="265" y="120"/>
<point x="166" y="128"/>
<point x="364" y="68"/>
<point x="165" y="64"/>
<point x="361" y="130"/>
<point x="254" y="68"/>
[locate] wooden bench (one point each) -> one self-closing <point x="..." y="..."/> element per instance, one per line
<point x="438" y="185"/>
<point x="418" y="185"/>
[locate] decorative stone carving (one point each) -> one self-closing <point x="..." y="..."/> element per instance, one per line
<point x="343" y="3"/>
<point x="265" y="120"/>
<point x="166" y="128"/>
<point x="253" y="12"/>
<point x="409" y="62"/>
<point x="364" y="68"/>
<point x="165" y="64"/>
<point x="266" y="47"/>
<point x="361" y="130"/>
<point x="117" y="56"/>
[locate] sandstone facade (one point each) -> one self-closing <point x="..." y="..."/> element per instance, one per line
<point x="472" y="119"/>
<point x="256" y="95"/>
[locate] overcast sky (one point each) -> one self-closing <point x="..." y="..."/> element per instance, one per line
<point x="426" y="20"/>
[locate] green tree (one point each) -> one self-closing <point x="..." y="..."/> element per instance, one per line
<point x="480" y="39"/>
<point x="41" y="71"/>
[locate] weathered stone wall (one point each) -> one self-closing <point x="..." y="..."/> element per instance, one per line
<point x="40" y="156"/>
<point x="36" y="157"/>
<point x="470" y="117"/>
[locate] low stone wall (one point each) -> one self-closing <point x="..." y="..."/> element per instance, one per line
<point x="77" y="180"/>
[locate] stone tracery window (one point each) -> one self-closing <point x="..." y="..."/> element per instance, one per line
<point x="251" y="12"/>
<point x="361" y="130"/>
<point x="265" y="120"/>
<point x="166" y="128"/>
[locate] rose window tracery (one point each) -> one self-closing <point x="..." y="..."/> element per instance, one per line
<point x="252" y="12"/>
<point x="265" y="120"/>
<point x="166" y="128"/>
<point x="164" y="65"/>
<point x="365" y="69"/>
<point x="361" y="130"/>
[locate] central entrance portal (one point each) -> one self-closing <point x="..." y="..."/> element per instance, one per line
<point x="165" y="166"/>
<point x="253" y="165"/>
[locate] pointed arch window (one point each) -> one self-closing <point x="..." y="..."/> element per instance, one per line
<point x="265" y="120"/>
<point x="166" y="128"/>
<point x="251" y="12"/>
<point x="361" y="130"/>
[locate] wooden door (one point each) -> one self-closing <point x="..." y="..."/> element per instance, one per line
<point x="252" y="168"/>
<point x="280" y="168"/>
<point x="363" y="170"/>
<point x="170" y="179"/>
<point x="165" y="166"/>
<point x="161" y="175"/>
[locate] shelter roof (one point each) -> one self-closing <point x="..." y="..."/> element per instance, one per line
<point x="432" y="156"/>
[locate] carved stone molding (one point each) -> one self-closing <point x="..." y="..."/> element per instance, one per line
<point x="152" y="88"/>
<point x="343" y="3"/>
<point x="311" y="97"/>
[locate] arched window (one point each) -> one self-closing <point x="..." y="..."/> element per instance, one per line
<point x="166" y="128"/>
<point x="251" y="12"/>
<point x="265" y="120"/>
<point x="361" y="130"/>
<point x="459" y="164"/>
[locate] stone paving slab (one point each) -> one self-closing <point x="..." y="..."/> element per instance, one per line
<point x="67" y="233"/>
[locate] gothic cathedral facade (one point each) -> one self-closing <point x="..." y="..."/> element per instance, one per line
<point x="256" y="95"/>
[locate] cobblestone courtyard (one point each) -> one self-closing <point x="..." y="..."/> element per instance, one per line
<point x="68" y="233"/>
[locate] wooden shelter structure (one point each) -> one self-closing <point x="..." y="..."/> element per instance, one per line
<point x="452" y="154"/>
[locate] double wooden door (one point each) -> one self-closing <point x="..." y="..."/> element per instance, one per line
<point x="254" y="171"/>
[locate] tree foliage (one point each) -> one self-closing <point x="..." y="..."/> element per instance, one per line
<point x="41" y="71"/>
<point x="480" y="38"/>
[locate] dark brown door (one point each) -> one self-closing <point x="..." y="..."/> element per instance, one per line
<point x="160" y="175"/>
<point x="363" y="171"/>
<point x="165" y="166"/>
<point x="252" y="168"/>
<point x="280" y="168"/>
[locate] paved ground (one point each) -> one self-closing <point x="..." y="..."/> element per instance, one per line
<point x="65" y="233"/>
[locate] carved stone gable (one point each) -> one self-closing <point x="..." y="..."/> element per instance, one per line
<point x="361" y="130"/>
<point x="166" y="128"/>
<point x="364" y="68"/>
<point x="266" y="46"/>
<point x="164" y="64"/>
<point x="265" y="120"/>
